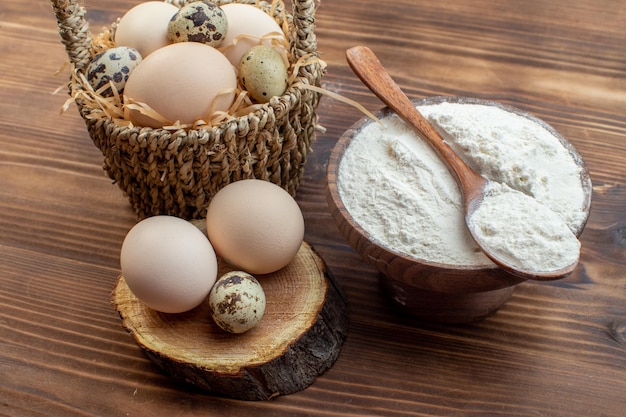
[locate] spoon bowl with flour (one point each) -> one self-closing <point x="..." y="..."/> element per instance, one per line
<point x="517" y="232"/>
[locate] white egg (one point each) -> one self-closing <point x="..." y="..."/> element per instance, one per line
<point x="144" y="27"/>
<point x="247" y="25"/>
<point x="237" y="302"/>
<point x="168" y="264"/>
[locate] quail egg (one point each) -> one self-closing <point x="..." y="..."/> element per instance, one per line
<point x="263" y="73"/>
<point x="200" y="21"/>
<point x="237" y="302"/>
<point x="114" y="65"/>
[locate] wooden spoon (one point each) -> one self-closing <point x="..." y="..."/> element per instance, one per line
<point x="473" y="186"/>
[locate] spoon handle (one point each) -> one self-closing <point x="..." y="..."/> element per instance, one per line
<point x="368" y="68"/>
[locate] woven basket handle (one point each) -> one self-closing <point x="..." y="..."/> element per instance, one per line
<point x="74" y="31"/>
<point x="304" y="22"/>
<point x="75" y="35"/>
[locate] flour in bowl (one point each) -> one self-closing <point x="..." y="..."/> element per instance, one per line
<point x="395" y="186"/>
<point x="521" y="232"/>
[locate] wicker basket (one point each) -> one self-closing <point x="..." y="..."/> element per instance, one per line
<point x="177" y="172"/>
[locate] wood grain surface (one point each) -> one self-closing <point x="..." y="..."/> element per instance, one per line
<point x="555" y="349"/>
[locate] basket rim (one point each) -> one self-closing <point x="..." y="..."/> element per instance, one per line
<point x="276" y="105"/>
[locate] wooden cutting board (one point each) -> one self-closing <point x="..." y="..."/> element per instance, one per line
<point x="299" y="337"/>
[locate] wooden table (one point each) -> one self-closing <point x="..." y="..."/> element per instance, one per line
<point x="555" y="349"/>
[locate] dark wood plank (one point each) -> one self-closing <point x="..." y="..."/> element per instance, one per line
<point x="555" y="349"/>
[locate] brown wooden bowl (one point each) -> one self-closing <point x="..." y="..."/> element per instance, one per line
<point x="429" y="290"/>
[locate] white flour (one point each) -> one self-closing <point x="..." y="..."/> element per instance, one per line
<point x="396" y="187"/>
<point x="521" y="232"/>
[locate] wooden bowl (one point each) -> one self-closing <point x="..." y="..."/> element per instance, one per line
<point x="430" y="290"/>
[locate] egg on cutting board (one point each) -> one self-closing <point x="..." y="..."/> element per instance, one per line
<point x="168" y="264"/>
<point x="182" y="82"/>
<point x="144" y="27"/>
<point x="247" y="27"/>
<point x="255" y="225"/>
<point x="237" y="302"/>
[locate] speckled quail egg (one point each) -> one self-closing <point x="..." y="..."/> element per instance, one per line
<point x="200" y="21"/>
<point x="114" y="65"/>
<point x="263" y="73"/>
<point x="237" y="302"/>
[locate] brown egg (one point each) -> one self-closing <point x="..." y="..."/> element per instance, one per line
<point x="247" y="25"/>
<point x="181" y="82"/>
<point x="255" y="226"/>
<point x="168" y="264"/>
<point x="144" y="27"/>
